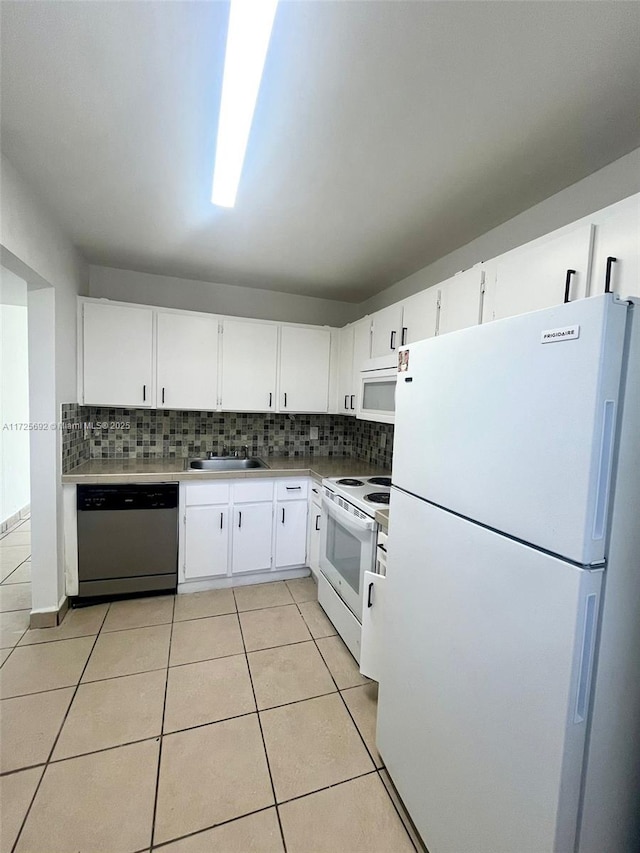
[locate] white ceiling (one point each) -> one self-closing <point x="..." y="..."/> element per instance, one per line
<point x="386" y="134"/>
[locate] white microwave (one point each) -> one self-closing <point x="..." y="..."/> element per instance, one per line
<point x="377" y="397"/>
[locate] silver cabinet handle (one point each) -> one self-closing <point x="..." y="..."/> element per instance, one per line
<point x="163" y="395"/>
<point x="285" y="399"/>
<point x="221" y="518"/>
<point x="317" y="522"/>
<point x="144" y="393"/>
<point x="293" y="488"/>
<point x="239" y="519"/>
<point x="392" y="343"/>
<point x="270" y="398"/>
<point x="283" y="515"/>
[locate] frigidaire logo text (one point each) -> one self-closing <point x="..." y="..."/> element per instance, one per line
<point x="563" y="334"/>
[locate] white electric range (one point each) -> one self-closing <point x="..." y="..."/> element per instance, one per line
<point x="348" y="549"/>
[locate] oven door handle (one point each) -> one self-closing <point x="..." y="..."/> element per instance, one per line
<point x="346" y="518"/>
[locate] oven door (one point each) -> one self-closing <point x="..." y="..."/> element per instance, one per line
<point x="347" y="551"/>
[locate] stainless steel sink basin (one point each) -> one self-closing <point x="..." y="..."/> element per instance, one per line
<point x="225" y="463"/>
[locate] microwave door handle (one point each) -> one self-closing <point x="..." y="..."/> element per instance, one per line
<point x="357" y="525"/>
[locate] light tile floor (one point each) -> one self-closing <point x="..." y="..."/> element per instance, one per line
<point x="218" y="721"/>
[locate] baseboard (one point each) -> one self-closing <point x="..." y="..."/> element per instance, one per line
<point x="242" y="580"/>
<point x="15" y="518"/>
<point x="49" y="618"/>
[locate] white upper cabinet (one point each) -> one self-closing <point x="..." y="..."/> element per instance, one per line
<point x="304" y="369"/>
<point x="419" y="316"/>
<point x="346" y="387"/>
<point x="187" y="361"/>
<point x="460" y="301"/>
<point x="249" y="366"/>
<point x="361" y="353"/>
<point x="616" y="249"/>
<point x="386" y="330"/>
<point x="117" y="355"/>
<point x="535" y="276"/>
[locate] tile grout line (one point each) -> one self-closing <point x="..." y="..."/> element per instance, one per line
<point x="164" y="708"/>
<point x="376" y="768"/>
<point x="46" y="765"/>
<point x="209" y="828"/>
<point x="264" y="745"/>
<point x="150" y="737"/>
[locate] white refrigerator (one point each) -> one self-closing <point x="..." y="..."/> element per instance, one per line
<point x="509" y="699"/>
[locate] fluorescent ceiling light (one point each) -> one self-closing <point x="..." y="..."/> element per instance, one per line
<point x="250" y="24"/>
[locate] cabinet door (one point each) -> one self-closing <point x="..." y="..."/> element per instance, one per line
<point x="291" y="533"/>
<point x="187" y="361"/>
<point x="251" y="538"/>
<point x="419" y="316"/>
<point x="315" y="521"/>
<point x="117" y="355"/>
<point x="387" y="325"/>
<point x="304" y="369"/>
<point x="249" y="366"/>
<point x="206" y="548"/>
<point x="372" y="639"/>
<point x="346" y="389"/>
<point x="460" y="301"/>
<point x="534" y="276"/>
<point x="361" y="352"/>
<point x="617" y="235"/>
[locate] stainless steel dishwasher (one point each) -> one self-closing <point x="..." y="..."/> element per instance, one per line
<point x="127" y="539"/>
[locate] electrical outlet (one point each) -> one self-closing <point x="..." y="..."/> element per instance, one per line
<point x="313" y="433"/>
<point x="383" y="440"/>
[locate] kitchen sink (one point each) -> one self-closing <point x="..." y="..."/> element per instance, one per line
<point x="226" y="463"/>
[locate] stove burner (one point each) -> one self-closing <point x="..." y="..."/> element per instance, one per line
<point x="380" y="481"/>
<point x="378" y="497"/>
<point x="349" y="482"/>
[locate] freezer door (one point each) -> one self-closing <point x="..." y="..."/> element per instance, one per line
<point x="484" y="684"/>
<point x="516" y="433"/>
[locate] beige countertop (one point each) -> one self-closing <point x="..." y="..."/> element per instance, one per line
<point x="173" y="470"/>
<point x="382" y="517"/>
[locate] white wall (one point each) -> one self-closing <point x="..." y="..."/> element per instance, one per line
<point x="616" y="181"/>
<point x="14" y="395"/>
<point x="170" y="292"/>
<point x="34" y="247"/>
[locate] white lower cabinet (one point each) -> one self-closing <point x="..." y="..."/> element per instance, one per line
<point x="251" y="548"/>
<point x="238" y="527"/>
<point x="315" y="521"/>
<point x="371" y="639"/>
<point x="206" y="542"/>
<point x="291" y="533"/>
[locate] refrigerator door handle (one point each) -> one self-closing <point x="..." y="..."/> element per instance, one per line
<point x="586" y="658"/>
<point x="604" y="469"/>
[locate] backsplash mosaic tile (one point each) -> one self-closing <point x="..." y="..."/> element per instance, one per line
<point x="366" y="440"/>
<point x="75" y="447"/>
<point x="154" y="433"/>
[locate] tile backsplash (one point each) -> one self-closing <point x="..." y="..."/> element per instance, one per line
<point x="105" y="433"/>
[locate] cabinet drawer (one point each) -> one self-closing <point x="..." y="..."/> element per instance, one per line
<point x="253" y="491"/>
<point x="199" y="494"/>
<point x="292" y="489"/>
